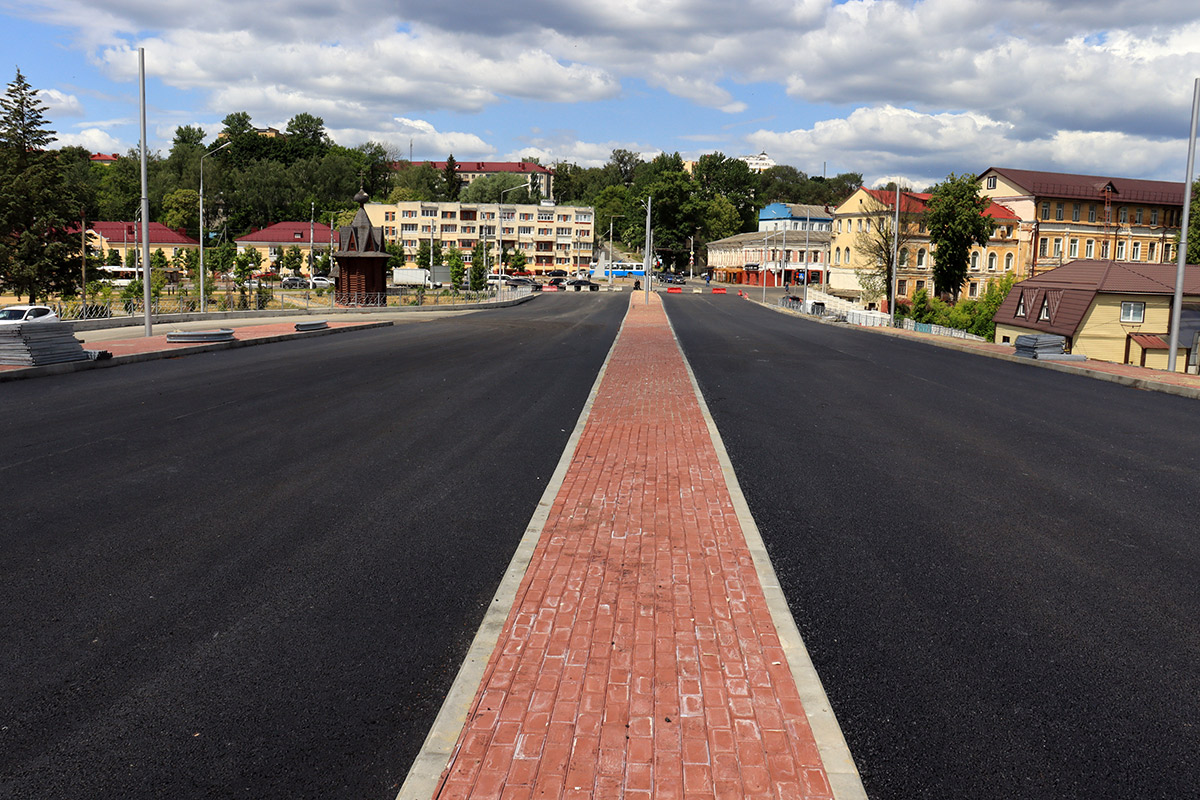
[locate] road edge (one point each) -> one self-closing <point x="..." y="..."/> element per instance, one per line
<point x="439" y="745"/>
<point x="844" y="778"/>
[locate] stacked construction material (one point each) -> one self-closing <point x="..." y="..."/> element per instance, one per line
<point x="1044" y="347"/>
<point x="35" y="344"/>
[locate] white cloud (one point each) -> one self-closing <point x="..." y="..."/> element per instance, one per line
<point x="93" y="139"/>
<point x="59" y="104"/>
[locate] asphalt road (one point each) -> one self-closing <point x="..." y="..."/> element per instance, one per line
<point x="994" y="566"/>
<point x="254" y="573"/>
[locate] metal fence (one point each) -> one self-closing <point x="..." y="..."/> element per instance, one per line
<point x="275" y="300"/>
<point x="877" y="319"/>
<point x="938" y="330"/>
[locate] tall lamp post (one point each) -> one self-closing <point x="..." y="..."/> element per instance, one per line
<point x="203" y="296"/>
<point x="610" y="246"/>
<point x="500" y="231"/>
<point x="648" y="261"/>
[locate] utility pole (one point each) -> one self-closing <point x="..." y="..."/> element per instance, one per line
<point x="1181" y="256"/>
<point x="648" y="262"/>
<point x="145" y="195"/>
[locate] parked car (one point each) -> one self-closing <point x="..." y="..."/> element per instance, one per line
<point x="267" y="276"/>
<point x="321" y="282"/>
<point x="518" y="280"/>
<point x="15" y="315"/>
<point x="557" y="283"/>
<point x="294" y="282"/>
<point x="557" y="273"/>
<point x="580" y="283"/>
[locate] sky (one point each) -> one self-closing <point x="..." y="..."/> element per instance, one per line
<point x="894" y="89"/>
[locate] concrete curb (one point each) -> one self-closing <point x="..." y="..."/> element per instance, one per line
<point x="1190" y="392"/>
<point x="438" y="747"/>
<point x="158" y="319"/>
<point x="844" y="778"/>
<point x="173" y="352"/>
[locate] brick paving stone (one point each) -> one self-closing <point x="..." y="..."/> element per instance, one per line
<point x="639" y="659"/>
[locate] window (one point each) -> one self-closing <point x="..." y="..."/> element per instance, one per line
<point x="903" y="257"/>
<point x="1154" y="216"/>
<point x="868" y="226"/>
<point x="429" y="212"/>
<point x="1150" y="251"/>
<point x="1058" y="211"/>
<point x="837" y="255"/>
<point x="1091" y="213"/>
<point x="973" y="289"/>
<point x="1043" y="247"/>
<point x="1058" y="248"/>
<point x="902" y="287"/>
<point x="839" y="226"/>
<point x="1020" y="312"/>
<point x="860" y="226"/>
<point x="1089" y="248"/>
<point x="1073" y="248"/>
<point x="409" y="213"/>
<point x="991" y="182"/>
<point x="1123" y="215"/>
<point x="1137" y="216"/>
<point x="1104" y="249"/>
<point x="545" y="216"/>
<point x="1045" y="211"/>
<point x="1008" y="262"/>
<point x="1044" y="314"/>
<point x="1166" y="252"/>
<point x="562" y="231"/>
<point x="920" y="285"/>
<point x="1137" y="251"/>
<point x="1075" y="212"/>
<point x="975" y="260"/>
<point x="1121" y="251"/>
<point x="1133" y="312"/>
<point x="525" y="230"/>
<point x="847" y="255"/>
<point x="991" y="262"/>
<point x="389" y="216"/>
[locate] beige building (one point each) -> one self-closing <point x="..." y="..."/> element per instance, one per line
<point x="863" y="223"/>
<point x="1107" y="310"/>
<point x="551" y="236"/>
<point x="1066" y="217"/>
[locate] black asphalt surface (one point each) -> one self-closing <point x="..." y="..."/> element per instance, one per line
<point x="254" y="573"/>
<point x="995" y="567"/>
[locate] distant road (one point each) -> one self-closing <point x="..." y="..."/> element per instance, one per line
<point x="996" y="567"/>
<point x="254" y="573"/>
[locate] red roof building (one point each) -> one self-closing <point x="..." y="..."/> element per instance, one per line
<point x="469" y="171"/>
<point x="272" y="240"/>
<point x="105" y="158"/>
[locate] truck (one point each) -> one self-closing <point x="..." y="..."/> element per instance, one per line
<point x="402" y="276"/>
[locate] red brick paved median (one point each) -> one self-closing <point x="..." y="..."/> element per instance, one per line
<point x="639" y="659"/>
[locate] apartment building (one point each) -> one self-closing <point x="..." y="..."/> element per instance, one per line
<point x="1064" y="217"/>
<point x="856" y="240"/>
<point x="551" y="236"/>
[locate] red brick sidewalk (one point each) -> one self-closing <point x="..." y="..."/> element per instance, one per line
<point x="640" y="658"/>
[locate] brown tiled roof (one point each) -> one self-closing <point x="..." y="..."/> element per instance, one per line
<point x="123" y="232"/>
<point x="1091" y="187"/>
<point x="286" y="233"/>
<point x="1069" y="291"/>
<point x="918" y="202"/>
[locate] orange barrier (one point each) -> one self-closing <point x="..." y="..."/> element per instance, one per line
<point x="549" y="288"/>
<point x="674" y="290"/>
<point x="720" y="290"/>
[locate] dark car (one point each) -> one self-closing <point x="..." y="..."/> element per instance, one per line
<point x="523" y="281"/>
<point x="579" y="283"/>
<point x="557" y="283"/>
<point x="557" y="273"/>
<point x="294" y="282"/>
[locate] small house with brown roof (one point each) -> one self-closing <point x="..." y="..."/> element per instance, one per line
<point x="273" y="240"/>
<point x="1107" y="310"/>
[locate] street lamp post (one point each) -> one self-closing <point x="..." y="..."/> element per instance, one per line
<point x="647" y="262"/>
<point x="500" y="231"/>
<point x="610" y="246"/>
<point x="203" y="296"/>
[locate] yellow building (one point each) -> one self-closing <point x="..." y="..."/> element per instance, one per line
<point x="551" y="236"/>
<point x="862" y="228"/>
<point x="1065" y="217"/>
<point x="1107" y="310"/>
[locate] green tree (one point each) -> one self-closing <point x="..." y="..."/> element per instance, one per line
<point x="875" y="244"/>
<point x="479" y="267"/>
<point x="454" y="260"/>
<point x="451" y="179"/>
<point x="956" y="221"/>
<point x="395" y="256"/>
<point x="291" y="260"/>
<point x="517" y="261"/>
<point x="246" y="263"/>
<point x="488" y="188"/>
<point x="38" y="254"/>
<point x="181" y="209"/>
<point x="1193" y="237"/>
<point x="416" y="182"/>
<point x="114" y="257"/>
<point x="731" y="178"/>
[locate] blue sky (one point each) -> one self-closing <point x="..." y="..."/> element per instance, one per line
<point x="913" y="90"/>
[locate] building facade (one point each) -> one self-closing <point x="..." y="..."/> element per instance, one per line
<point x="1066" y="217"/>
<point x="551" y="236"/>
<point x="313" y="239"/>
<point x="862" y="227"/>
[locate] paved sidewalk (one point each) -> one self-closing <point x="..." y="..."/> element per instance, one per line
<point x="640" y="657"/>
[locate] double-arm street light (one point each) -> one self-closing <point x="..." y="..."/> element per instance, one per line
<point x="203" y="296"/>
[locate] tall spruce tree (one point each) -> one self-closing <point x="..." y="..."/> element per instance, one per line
<point x="38" y="254"/>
